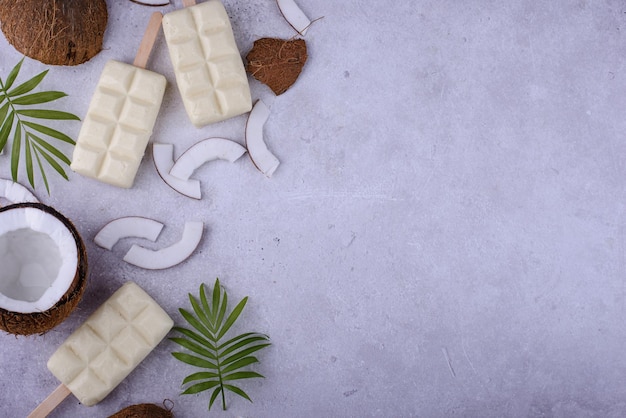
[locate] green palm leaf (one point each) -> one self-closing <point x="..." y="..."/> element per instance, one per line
<point x="232" y="317"/>
<point x="43" y="144"/>
<point x="50" y="132"/>
<point x="13" y="75"/>
<point x="3" y="111"/>
<point x="191" y="346"/>
<point x="51" y="161"/>
<point x="14" y="118"/>
<point x="214" y="396"/>
<point x="222" y="361"/>
<point x="246" y="361"/>
<point x="47" y="114"/>
<point x="15" y="152"/>
<point x="243" y="343"/>
<point x="27" y="86"/>
<point x="242" y="375"/>
<point x="243" y="353"/>
<point x="193" y="321"/>
<point x="195" y="336"/>
<point x="195" y="361"/>
<point x="5" y="130"/>
<point x="206" y="321"/>
<point x="238" y="391"/>
<point x="200" y="387"/>
<point x="29" y="163"/>
<point x="39" y="98"/>
<point x="200" y="376"/>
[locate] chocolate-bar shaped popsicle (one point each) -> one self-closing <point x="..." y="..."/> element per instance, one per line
<point x="209" y="70"/>
<point x="120" y="118"/>
<point x="107" y="347"/>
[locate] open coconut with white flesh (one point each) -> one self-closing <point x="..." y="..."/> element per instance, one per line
<point x="44" y="268"/>
<point x="56" y="32"/>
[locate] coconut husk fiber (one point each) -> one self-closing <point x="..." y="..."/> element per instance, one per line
<point x="276" y="62"/>
<point x="55" y="32"/>
<point x="143" y="410"/>
<point x="39" y="322"/>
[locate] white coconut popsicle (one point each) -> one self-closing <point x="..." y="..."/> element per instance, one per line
<point x="209" y="70"/>
<point x="106" y="348"/>
<point x="121" y="117"/>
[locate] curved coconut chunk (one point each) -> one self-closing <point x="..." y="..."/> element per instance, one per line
<point x="163" y="155"/>
<point x="204" y="151"/>
<point x="169" y="256"/>
<point x="294" y="15"/>
<point x="39" y="259"/>
<point x="152" y="2"/>
<point x="262" y="158"/>
<point x="15" y="192"/>
<point x="128" y="227"/>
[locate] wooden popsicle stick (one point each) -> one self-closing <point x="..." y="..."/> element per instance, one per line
<point x="147" y="42"/>
<point x="189" y="3"/>
<point x="52" y="401"/>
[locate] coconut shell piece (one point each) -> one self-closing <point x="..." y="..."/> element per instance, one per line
<point x="143" y="410"/>
<point x="55" y="32"/>
<point x="276" y="62"/>
<point x="39" y="322"/>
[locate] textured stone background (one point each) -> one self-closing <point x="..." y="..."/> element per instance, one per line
<point x="444" y="236"/>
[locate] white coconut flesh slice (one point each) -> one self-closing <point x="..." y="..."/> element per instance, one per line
<point x="39" y="260"/>
<point x="15" y="192"/>
<point x="294" y="15"/>
<point x="152" y="2"/>
<point x="169" y="256"/>
<point x="201" y="152"/>
<point x="127" y="227"/>
<point x="163" y="155"/>
<point x="262" y="158"/>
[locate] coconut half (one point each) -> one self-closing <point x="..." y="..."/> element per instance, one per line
<point x="44" y="268"/>
<point x="56" y="32"/>
<point x="144" y="410"/>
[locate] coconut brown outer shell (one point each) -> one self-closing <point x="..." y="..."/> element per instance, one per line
<point x="39" y="322"/>
<point x="276" y="63"/>
<point x="55" y="32"/>
<point x="144" y="410"/>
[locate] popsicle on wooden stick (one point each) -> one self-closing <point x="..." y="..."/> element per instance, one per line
<point x="121" y="117"/>
<point x="106" y="348"/>
<point x="209" y="70"/>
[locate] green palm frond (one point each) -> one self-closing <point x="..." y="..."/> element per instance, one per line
<point x="16" y="117"/>
<point x="222" y="361"/>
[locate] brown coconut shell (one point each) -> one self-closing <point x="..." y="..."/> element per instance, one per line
<point x="55" y="32"/>
<point x="39" y="322"/>
<point x="143" y="410"/>
<point x="276" y="63"/>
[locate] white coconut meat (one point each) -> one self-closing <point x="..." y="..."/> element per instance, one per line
<point x="15" y="192"/>
<point x="261" y="156"/>
<point x="294" y="15"/>
<point x="201" y="152"/>
<point x="163" y="155"/>
<point x="169" y="256"/>
<point x="39" y="259"/>
<point x="127" y="227"/>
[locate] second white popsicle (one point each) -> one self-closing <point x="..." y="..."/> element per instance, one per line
<point x="209" y="70"/>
